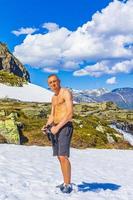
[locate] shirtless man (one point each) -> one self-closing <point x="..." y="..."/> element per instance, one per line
<point x="62" y="128"/>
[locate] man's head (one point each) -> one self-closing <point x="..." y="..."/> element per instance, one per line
<point x="54" y="82"/>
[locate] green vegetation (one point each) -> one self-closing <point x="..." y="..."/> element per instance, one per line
<point x="90" y="130"/>
<point x="11" y="79"/>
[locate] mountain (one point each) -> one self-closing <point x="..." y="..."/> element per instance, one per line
<point x="88" y="95"/>
<point x="94" y="92"/>
<point x="9" y="63"/>
<point x="28" y="93"/>
<point x="123" y="97"/>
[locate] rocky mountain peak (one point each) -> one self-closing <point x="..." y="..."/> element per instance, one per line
<point x="9" y="63"/>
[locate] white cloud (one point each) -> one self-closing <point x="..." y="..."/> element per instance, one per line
<point x="106" y="67"/>
<point x="51" y="26"/>
<point x="42" y="50"/>
<point x="112" y="20"/>
<point x="95" y="70"/>
<point x="24" y="31"/>
<point x="111" y="80"/>
<point x="101" y="40"/>
<point x="50" y="70"/>
<point x="123" y="67"/>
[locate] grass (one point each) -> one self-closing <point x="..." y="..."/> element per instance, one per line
<point x="11" y="79"/>
<point x="85" y="133"/>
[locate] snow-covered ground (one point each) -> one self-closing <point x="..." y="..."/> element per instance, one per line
<point x="29" y="92"/>
<point x="31" y="173"/>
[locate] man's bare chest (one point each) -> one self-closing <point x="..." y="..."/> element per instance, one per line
<point x="58" y="101"/>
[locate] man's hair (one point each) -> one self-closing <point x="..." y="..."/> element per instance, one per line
<point x="53" y="75"/>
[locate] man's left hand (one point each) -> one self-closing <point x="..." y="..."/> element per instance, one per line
<point x="54" y="129"/>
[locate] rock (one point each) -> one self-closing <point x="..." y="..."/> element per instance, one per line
<point x="2" y="140"/>
<point x="9" y="63"/>
<point x="100" y="128"/>
<point x="2" y="113"/>
<point x="13" y="116"/>
<point x="118" y="135"/>
<point x="130" y="116"/>
<point x="9" y="130"/>
<point x="110" y="138"/>
<point x="125" y="126"/>
<point x="34" y="112"/>
<point x="77" y="121"/>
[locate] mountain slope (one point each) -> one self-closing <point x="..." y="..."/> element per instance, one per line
<point x="123" y="97"/>
<point x="9" y="63"/>
<point x="29" y="93"/>
<point x="88" y="95"/>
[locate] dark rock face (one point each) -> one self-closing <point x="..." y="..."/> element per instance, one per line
<point x="125" y="126"/>
<point x="9" y="63"/>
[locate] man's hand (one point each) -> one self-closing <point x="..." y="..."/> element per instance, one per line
<point x="44" y="129"/>
<point x="54" y="130"/>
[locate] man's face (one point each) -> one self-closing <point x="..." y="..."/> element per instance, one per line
<point x="54" y="83"/>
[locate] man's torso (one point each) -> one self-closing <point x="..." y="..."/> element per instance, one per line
<point x="59" y="104"/>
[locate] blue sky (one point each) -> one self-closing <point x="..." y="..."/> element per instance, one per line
<point x="83" y="41"/>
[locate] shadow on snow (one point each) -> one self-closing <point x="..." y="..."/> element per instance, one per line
<point x="96" y="187"/>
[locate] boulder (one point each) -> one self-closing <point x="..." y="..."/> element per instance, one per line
<point x="9" y="130"/>
<point x="33" y="112"/>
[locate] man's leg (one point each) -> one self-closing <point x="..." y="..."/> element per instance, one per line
<point x="65" y="168"/>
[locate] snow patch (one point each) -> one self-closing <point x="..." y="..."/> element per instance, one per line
<point x="28" y="93"/>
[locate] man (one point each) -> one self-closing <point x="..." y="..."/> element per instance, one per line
<point x="60" y="121"/>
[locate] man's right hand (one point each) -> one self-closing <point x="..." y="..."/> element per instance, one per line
<point x="44" y="129"/>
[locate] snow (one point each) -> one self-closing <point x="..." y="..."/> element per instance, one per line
<point x="31" y="173"/>
<point x="29" y="93"/>
<point x="127" y="136"/>
<point x="122" y="97"/>
<point x="93" y="92"/>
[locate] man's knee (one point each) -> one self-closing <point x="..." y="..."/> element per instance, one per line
<point x="63" y="158"/>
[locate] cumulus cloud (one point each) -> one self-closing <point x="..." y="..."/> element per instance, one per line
<point x="42" y="50"/>
<point x="106" y="40"/>
<point x="112" y="19"/>
<point x="106" y="67"/>
<point x="51" y="26"/>
<point x="50" y="70"/>
<point x="24" y="31"/>
<point x="95" y="70"/>
<point x="111" y="80"/>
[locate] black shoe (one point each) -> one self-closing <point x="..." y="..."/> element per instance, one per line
<point x="66" y="188"/>
<point x="61" y="186"/>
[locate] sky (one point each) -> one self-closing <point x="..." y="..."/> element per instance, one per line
<point x="88" y="44"/>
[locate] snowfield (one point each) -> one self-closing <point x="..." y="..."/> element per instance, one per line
<point x="31" y="173"/>
<point x="29" y="93"/>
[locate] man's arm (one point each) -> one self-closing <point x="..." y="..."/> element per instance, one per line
<point x="69" y="108"/>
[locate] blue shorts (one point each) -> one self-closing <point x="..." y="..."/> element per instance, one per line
<point x="61" y="147"/>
